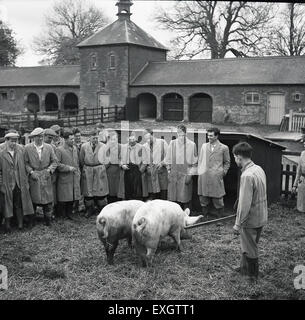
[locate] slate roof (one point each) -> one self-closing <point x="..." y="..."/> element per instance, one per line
<point x="40" y="76"/>
<point x="228" y="71"/>
<point x="122" y="31"/>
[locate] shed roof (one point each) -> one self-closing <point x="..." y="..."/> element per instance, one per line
<point x="227" y="71"/>
<point x="119" y="32"/>
<point x="40" y="76"/>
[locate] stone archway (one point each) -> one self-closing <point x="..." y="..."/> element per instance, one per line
<point x="147" y="106"/>
<point x="201" y="108"/>
<point x="32" y="102"/>
<point x="70" y="102"/>
<point x="172" y="104"/>
<point x="51" y="102"/>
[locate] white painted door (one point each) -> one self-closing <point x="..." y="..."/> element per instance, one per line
<point x="276" y="108"/>
<point x="104" y="102"/>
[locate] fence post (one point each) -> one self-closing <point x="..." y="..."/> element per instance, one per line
<point x="115" y="113"/>
<point x="290" y="120"/>
<point x="102" y="114"/>
<point x="85" y="116"/>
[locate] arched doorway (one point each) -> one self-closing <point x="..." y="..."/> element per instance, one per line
<point x="71" y="102"/>
<point x="201" y="108"/>
<point x="32" y="102"/>
<point x="172" y="106"/>
<point x="147" y="106"/>
<point x="51" y="102"/>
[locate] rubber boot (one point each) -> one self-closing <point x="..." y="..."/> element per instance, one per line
<point x="220" y="213"/>
<point x="68" y="210"/>
<point x="89" y="204"/>
<point x="47" y="211"/>
<point x="7" y="225"/>
<point x="243" y="267"/>
<point x="252" y="269"/>
<point x="19" y="217"/>
<point x="205" y="212"/>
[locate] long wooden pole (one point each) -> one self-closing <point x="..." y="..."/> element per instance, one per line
<point x="210" y="222"/>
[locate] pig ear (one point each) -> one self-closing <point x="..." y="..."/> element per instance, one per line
<point x="187" y="211"/>
<point x="102" y="221"/>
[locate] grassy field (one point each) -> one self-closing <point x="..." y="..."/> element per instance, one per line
<point x="67" y="261"/>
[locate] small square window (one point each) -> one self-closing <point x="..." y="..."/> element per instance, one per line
<point x="4" y="95"/>
<point x="252" y="98"/>
<point x="297" y="97"/>
<point x="103" y="84"/>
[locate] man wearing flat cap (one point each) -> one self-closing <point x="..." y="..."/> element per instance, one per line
<point x="57" y="140"/>
<point x="13" y="182"/>
<point x="41" y="162"/>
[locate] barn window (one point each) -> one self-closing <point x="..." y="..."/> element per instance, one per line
<point x="252" y="98"/>
<point x="112" y="61"/>
<point x="93" y="62"/>
<point x="296" y="97"/>
<point x="12" y="94"/>
<point x="4" y="95"/>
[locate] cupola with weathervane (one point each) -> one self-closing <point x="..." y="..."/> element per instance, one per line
<point x="124" y="9"/>
<point x="111" y="58"/>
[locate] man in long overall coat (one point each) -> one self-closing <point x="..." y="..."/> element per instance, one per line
<point x="41" y="162"/>
<point x="181" y="159"/>
<point x="252" y="210"/>
<point x="154" y="152"/>
<point x="14" y="184"/>
<point x="68" y="181"/>
<point x="213" y="165"/>
<point x="94" y="183"/>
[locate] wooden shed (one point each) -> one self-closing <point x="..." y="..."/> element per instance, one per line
<point x="266" y="153"/>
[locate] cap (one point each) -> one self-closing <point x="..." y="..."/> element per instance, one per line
<point x="36" y="132"/>
<point x="50" y="132"/>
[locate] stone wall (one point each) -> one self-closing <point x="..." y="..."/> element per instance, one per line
<point x="17" y="96"/>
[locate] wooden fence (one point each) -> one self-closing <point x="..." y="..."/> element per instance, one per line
<point x="288" y="175"/>
<point x="68" y="118"/>
<point x="296" y="121"/>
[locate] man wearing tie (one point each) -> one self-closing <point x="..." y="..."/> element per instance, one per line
<point x="213" y="165"/>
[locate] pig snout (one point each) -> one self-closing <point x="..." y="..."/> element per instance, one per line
<point x="192" y="220"/>
<point x="102" y="229"/>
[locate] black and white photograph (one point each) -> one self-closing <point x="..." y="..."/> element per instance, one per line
<point x="152" y="151"/>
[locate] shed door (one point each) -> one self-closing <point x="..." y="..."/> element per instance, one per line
<point x="201" y="108"/>
<point x="276" y="108"/>
<point x="172" y="107"/>
<point x="132" y="109"/>
<point x="104" y="102"/>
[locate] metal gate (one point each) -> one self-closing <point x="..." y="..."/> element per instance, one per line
<point x="173" y="107"/>
<point x="201" y="108"/>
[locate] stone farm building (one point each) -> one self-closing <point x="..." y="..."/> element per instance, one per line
<point x="123" y="65"/>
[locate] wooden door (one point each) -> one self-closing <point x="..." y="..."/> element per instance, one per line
<point x="276" y="108"/>
<point x="201" y="109"/>
<point x="173" y="107"/>
<point x="132" y="109"/>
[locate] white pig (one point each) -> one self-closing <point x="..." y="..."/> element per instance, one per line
<point x="155" y="220"/>
<point x="114" y="223"/>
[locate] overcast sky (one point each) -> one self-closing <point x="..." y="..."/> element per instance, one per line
<point x="26" y="18"/>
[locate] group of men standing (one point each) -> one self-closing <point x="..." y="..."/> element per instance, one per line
<point x="57" y="171"/>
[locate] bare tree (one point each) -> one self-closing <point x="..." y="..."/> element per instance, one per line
<point x="217" y="27"/>
<point x="67" y="24"/>
<point x="288" y="36"/>
<point x="9" y="48"/>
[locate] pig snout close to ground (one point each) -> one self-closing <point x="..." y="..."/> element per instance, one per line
<point x="114" y="223"/>
<point x="155" y="220"/>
